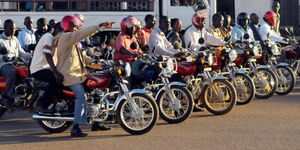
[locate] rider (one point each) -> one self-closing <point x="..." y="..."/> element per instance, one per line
<point x="26" y="37"/>
<point x="43" y="67"/>
<point x="158" y="43"/>
<point x="253" y="24"/>
<point x="147" y="29"/>
<point x="266" y="32"/>
<point x="71" y="63"/>
<point x="42" y="28"/>
<point x="196" y="37"/>
<point x="174" y="35"/>
<point x="14" y="49"/>
<point x="238" y="31"/>
<point x="126" y="45"/>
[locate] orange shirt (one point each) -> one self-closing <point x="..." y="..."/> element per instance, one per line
<point x="146" y="35"/>
<point x="123" y="40"/>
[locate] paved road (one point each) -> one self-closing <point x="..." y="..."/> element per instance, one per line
<point x="263" y="124"/>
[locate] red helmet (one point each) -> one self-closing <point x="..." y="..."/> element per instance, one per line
<point x="270" y="16"/>
<point x="65" y="22"/>
<point x="80" y="17"/>
<point x="129" y="22"/>
<point x="198" y="18"/>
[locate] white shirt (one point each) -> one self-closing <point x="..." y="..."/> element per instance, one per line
<point x="238" y="32"/>
<point x="13" y="47"/>
<point x="39" y="61"/>
<point x="26" y="37"/>
<point x="265" y="29"/>
<point x="160" y="45"/>
<point x="192" y="36"/>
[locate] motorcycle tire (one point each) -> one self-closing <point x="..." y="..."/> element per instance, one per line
<point x="209" y="103"/>
<point x="250" y="86"/>
<point x="273" y="87"/>
<point x="152" y="112"/>
<point x="54" y="126"/>
<point x="174" y="116"/>
<point x="288" y="72"/>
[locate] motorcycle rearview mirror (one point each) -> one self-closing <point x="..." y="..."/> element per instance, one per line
<point x="133" y="45"/>
<point x="201" y="40"/>
<point x="246" y="36"/>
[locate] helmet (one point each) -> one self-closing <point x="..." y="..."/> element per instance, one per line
<point x="80" y="17"/>
<point x="142" y="71"/>
<point x="270" y="16"/>
<point x="242" y="16"/>
<point x="129" y="22"/>
<point x="65" y="22"/>
<point x="198" y="18"/>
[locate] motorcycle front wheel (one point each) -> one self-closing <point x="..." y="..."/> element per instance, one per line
<point x="54" y="126"/>
<point x="245" y="89"/>
<point x="142" y="121"/>
<point x="220" y="97"/>
<point x="175" y="113"/>
<point x="286" y="80"/>
<point x="265" y="84"/>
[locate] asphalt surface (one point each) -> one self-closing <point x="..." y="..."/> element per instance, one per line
<point x="272" y="123"/>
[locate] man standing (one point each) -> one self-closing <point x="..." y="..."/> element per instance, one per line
<point x="276" y="8"/>
<point x="41" y="28"/>
<point x="14" y="49"/>
<point x="26" y="37"/>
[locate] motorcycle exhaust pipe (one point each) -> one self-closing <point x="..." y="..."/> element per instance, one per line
<point x="58" y="118"/>
<point x="43" y="117"/>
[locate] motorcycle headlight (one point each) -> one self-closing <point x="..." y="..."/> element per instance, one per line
<point x="170" y="64"/>
<point x="257" y="50"/>
<point x="275" y="50"/>
<point x="232" y="55"/>
<point x="127" y="69"/>
<point x="210" y="59"/>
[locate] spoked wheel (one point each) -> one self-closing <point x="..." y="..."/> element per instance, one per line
<point x="286" y="80"/>
<point x="220" y="97"/>
<point x="245" y="88"/>
<point x="141" y="121"/>
<point x="265" y="83"/>
<point x="54" y="126"/>
<point x="180" y="109"/>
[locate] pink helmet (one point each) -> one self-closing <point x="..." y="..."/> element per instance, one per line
<point x="129" y="22"/>
<point x="80" y="17"/>
<point x="270" y="16"/>
<point x="198" y="18"/>
<point x="65" y="22"/>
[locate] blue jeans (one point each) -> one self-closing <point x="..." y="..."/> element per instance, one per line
<point x="80" y="104"/>
<point x="10" y="75"/>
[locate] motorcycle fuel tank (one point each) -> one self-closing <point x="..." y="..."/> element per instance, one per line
<point x="186" y="68"/>
<point x="98" y="80"/>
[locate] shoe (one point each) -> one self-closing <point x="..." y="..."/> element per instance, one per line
<point x="76" y="132"/>
<point x="98" y="127"/>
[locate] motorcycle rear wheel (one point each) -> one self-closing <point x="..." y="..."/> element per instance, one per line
<point x="54" y="126"/>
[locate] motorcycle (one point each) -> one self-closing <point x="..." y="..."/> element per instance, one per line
<point x="211" y="91"/>
<point x="284" y="74"/>
<point x="264" y="79"/>
<point x="174" y="100"/>
<point x="135" y="110"/>
<point x="23" y="85"/>
<point x="239" y="77"/>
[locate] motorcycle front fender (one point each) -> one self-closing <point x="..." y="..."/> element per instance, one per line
<point x="170" y="84"/>
<point x="123" y="97"/>
<point x="242" y="71"/>
<point x="282" y="65"/>
<point x="263" y="67"/>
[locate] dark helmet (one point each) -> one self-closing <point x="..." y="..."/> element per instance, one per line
<point x="242" y="16"/>
<point x="142" y="71"/>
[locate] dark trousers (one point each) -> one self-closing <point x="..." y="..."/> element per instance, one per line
<point x="46" y="75"/>
<point x="10" y="75"/>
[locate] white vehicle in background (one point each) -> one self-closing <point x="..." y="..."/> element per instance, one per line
<point x="96" y="11"/>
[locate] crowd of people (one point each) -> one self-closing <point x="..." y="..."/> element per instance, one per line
<point x="58" y="57"/>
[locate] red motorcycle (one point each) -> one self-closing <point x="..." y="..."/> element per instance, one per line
<point x="211" y="91"/>
<point x="23" y="87"/>
<point x="107" y="94"/>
